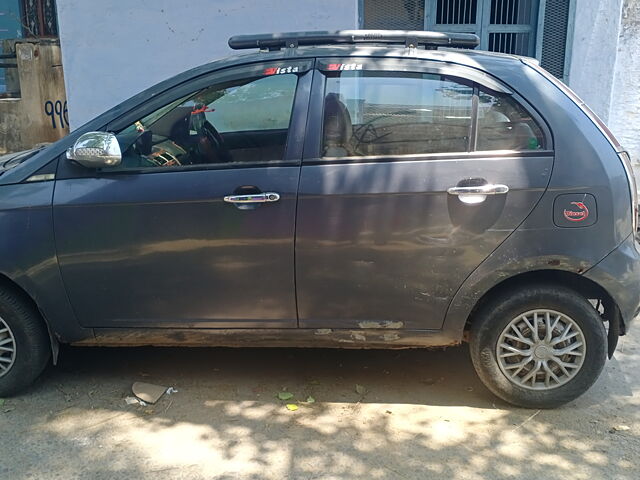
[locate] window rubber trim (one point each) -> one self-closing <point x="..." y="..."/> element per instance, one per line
<point x="487" y="155"/>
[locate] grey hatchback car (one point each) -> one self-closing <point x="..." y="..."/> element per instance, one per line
<point x="353" y="189"/>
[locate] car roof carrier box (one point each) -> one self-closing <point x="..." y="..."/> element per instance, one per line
<point x="430" y="40"/>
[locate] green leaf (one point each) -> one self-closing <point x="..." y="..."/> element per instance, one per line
<point x="285" y="396"/>
<point x="1" y="402"/>
<point x="292" y="407"/>
<point x="310" y="399"/>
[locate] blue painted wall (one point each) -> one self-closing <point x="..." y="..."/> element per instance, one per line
<point x="10" y="27"/>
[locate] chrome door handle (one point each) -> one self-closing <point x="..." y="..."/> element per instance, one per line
<point x="253" y="198"/>
<point x="487" y="189"/>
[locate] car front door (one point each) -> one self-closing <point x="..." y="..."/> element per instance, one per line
<point x="415" y="174"/>
<point x="195" y="228"/>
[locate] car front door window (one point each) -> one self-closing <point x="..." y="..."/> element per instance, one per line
<point x="239" y="121"/>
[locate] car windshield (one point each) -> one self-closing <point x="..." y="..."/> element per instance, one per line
<point x="7" y="162"/>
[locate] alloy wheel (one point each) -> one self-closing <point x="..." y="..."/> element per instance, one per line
<point x="541" y="349"/>
<point x="7" y="348"/>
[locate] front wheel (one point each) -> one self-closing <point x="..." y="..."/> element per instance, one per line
<point x="538" y="347"/>
<point x="24" y="343"/>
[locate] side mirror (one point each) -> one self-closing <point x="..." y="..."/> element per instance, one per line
<point x="96" y="150"/>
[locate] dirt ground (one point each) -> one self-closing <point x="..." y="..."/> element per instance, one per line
<point x="416" y="414"/>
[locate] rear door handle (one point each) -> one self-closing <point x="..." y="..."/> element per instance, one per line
<point x="253" y="198"/>
<point x="486" y="189"/>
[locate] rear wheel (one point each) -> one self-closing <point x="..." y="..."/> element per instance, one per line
<point x="24" y="343"/>
<point x="538" y="347"/>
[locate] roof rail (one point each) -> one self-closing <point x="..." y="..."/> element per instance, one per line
<point x="276" y="41"/>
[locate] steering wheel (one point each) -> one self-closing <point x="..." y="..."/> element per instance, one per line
<point x="210" y="144"/>
<point x="367" y="133"/>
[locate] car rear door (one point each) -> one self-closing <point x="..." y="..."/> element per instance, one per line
<point x="196" y="227"/>
<point x="413" y="173"/>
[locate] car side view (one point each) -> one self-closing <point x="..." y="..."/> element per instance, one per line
<point x="352" y="189"/>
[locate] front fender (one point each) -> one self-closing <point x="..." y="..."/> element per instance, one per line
<point x="28" y="256"/>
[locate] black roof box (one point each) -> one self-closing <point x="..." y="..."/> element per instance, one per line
<point x="275" y="41"/>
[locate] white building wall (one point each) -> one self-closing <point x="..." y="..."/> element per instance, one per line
<point x="605" y="66"/>
<point x="624" y="118"/>
<point x="593" y="52"/>
<point x="116" y="49"/>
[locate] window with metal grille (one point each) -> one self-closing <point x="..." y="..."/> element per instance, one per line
<point x="393" y="14"/>
<point x="39" y="18"/>
<point x="556" y="16"/>
<point x="507" y="26"/>
<point x="460" y="12"/>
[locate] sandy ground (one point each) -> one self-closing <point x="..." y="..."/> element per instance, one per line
<point x="419" y="414"/>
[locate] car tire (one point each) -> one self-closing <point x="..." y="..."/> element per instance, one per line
<point x="24" y="343"/>
<point x="508" y="341"/>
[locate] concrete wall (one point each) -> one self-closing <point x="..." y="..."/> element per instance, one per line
<point x="115" y="50"/>
<point x="625" y="101"/>
<point x="593" y="53"/>
<point x="605" y="66"/>
<point x="36" y="114"/>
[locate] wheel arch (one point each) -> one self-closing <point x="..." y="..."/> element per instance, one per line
<point x="17" y="289"/>
<point x="605" y="304"/>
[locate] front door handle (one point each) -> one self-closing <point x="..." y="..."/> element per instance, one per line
<point x="253" y="198"/>
<point x="486" y="189"/>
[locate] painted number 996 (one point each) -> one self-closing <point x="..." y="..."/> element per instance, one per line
<point x="57" y="110"/>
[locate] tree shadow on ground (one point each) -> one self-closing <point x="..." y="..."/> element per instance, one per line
<point x="423" y="414"/>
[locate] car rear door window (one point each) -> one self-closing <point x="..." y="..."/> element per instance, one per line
<point x="395" y="113"/>
<point x="239" y="121"/>
<point x="371" y="112"/>
<point x="503" y="124"/>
